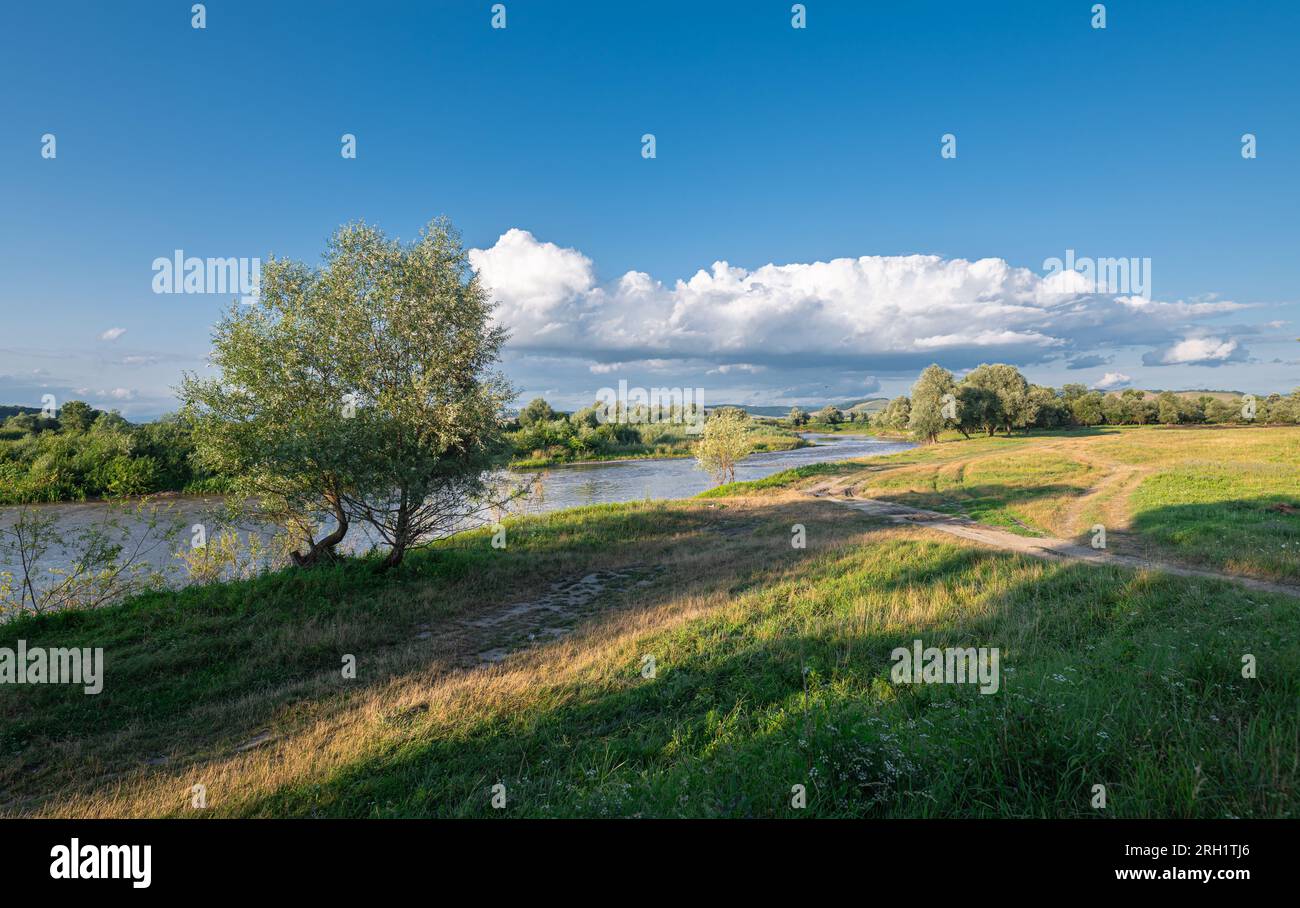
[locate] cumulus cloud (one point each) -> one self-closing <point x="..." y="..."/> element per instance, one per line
<point x="112" y="334"/>
<point x="898" y="312"/>
<point x="538" y="284"/>
<point x="1197" y="351"/>
<point x="1112" y="380"/>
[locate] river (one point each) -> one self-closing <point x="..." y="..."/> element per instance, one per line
<point x="561" y="487"/>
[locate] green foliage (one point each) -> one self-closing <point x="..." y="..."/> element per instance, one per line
<point x="591" y="434"/>
<point x="538" y="410"/>
<point x="72" y="460"/>
<point x="724" y="443"/>
<point x="929" y="398"/>
<point x="829" y="415"/>
<point x="896" y="415"/>
<point x="997" y="397"/>
<point x="978" y="409"/>
<point x="77" y="416"/>
<point x="360" y="390"/>
<point x="1014" y="407"/>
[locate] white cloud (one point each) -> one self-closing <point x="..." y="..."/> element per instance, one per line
<point x="650" y="365"/>
<point x="988" y="339"/>
<point x="538" y="283"/>
<point x="1112" y="380"/>
<point x="1196" y="351"/>
<point x="728" y="368"/>
<point x="112" y="334"/>
<point x="115" y="394"/>
<point x="899" y="310"/>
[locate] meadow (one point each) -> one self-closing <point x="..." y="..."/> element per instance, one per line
<point x="1225" y="498"/>
<point x="666" y="659"/>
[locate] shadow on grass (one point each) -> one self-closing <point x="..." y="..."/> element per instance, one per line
<point x="731" y="724"/>
<point x="988" y="503"/>
<point x="173" y="657"/>
<point x="1258" y="536"/>
<point x="795" y="691"/>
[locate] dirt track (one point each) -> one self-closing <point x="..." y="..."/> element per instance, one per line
<point x="1038" y="547"/>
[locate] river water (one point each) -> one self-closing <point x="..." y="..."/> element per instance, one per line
<point x="559" y="487"/>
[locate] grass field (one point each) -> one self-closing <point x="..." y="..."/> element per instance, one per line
<point x="771" y="663"/>
<point x="1227" y="498"/>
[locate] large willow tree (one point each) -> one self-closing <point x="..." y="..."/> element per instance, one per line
<point x="362" y="390"/>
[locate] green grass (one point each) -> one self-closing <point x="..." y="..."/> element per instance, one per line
<point x="772" y="670"/>
<point x="1226" y="514"/>
<point x="1221" y="497"/>
<point x="779" y="480"/>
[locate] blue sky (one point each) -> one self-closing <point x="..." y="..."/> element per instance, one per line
<point x="774" y="147"/>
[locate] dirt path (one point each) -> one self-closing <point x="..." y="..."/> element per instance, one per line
<point x="1109" y="496"/>
<point x="1038" y="547"/>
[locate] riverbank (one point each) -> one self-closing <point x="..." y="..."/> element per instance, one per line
<point x="550" y="489"/>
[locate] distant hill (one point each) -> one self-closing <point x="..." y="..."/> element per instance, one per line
<point x="7" y="410"/>
<point x="870" y="405"/>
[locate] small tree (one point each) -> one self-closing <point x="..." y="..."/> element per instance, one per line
<point x="360" y="390"/>
<point x="1169" y="412"/>
<point x="829" y="415"/>
<point x="724" y="442"/>
<point x="978" y="409"/>
<point x="277" y="418"/>
<point x="1015" y="407"/>
<point x="1086" y="408"/>
<point x="107" y="560"/>
<point x="896" y="414"/>
<point x="538" y="410"/>
<point x="419" y="359"/>
<point x="798" y="417"/>
<point x="76" y="416"/>
<point x="1051" y="411"/>
<point x="929" y="396"/>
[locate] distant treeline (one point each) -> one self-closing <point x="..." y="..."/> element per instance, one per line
<point x="86" y="453"/>
<point x="998" y="398"/>
<point x="540" y="435"/>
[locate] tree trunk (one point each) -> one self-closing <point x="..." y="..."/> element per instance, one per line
<point x="398" y="551"/>
<point x="323" y="551"/>
<point x="394" y="558"/>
